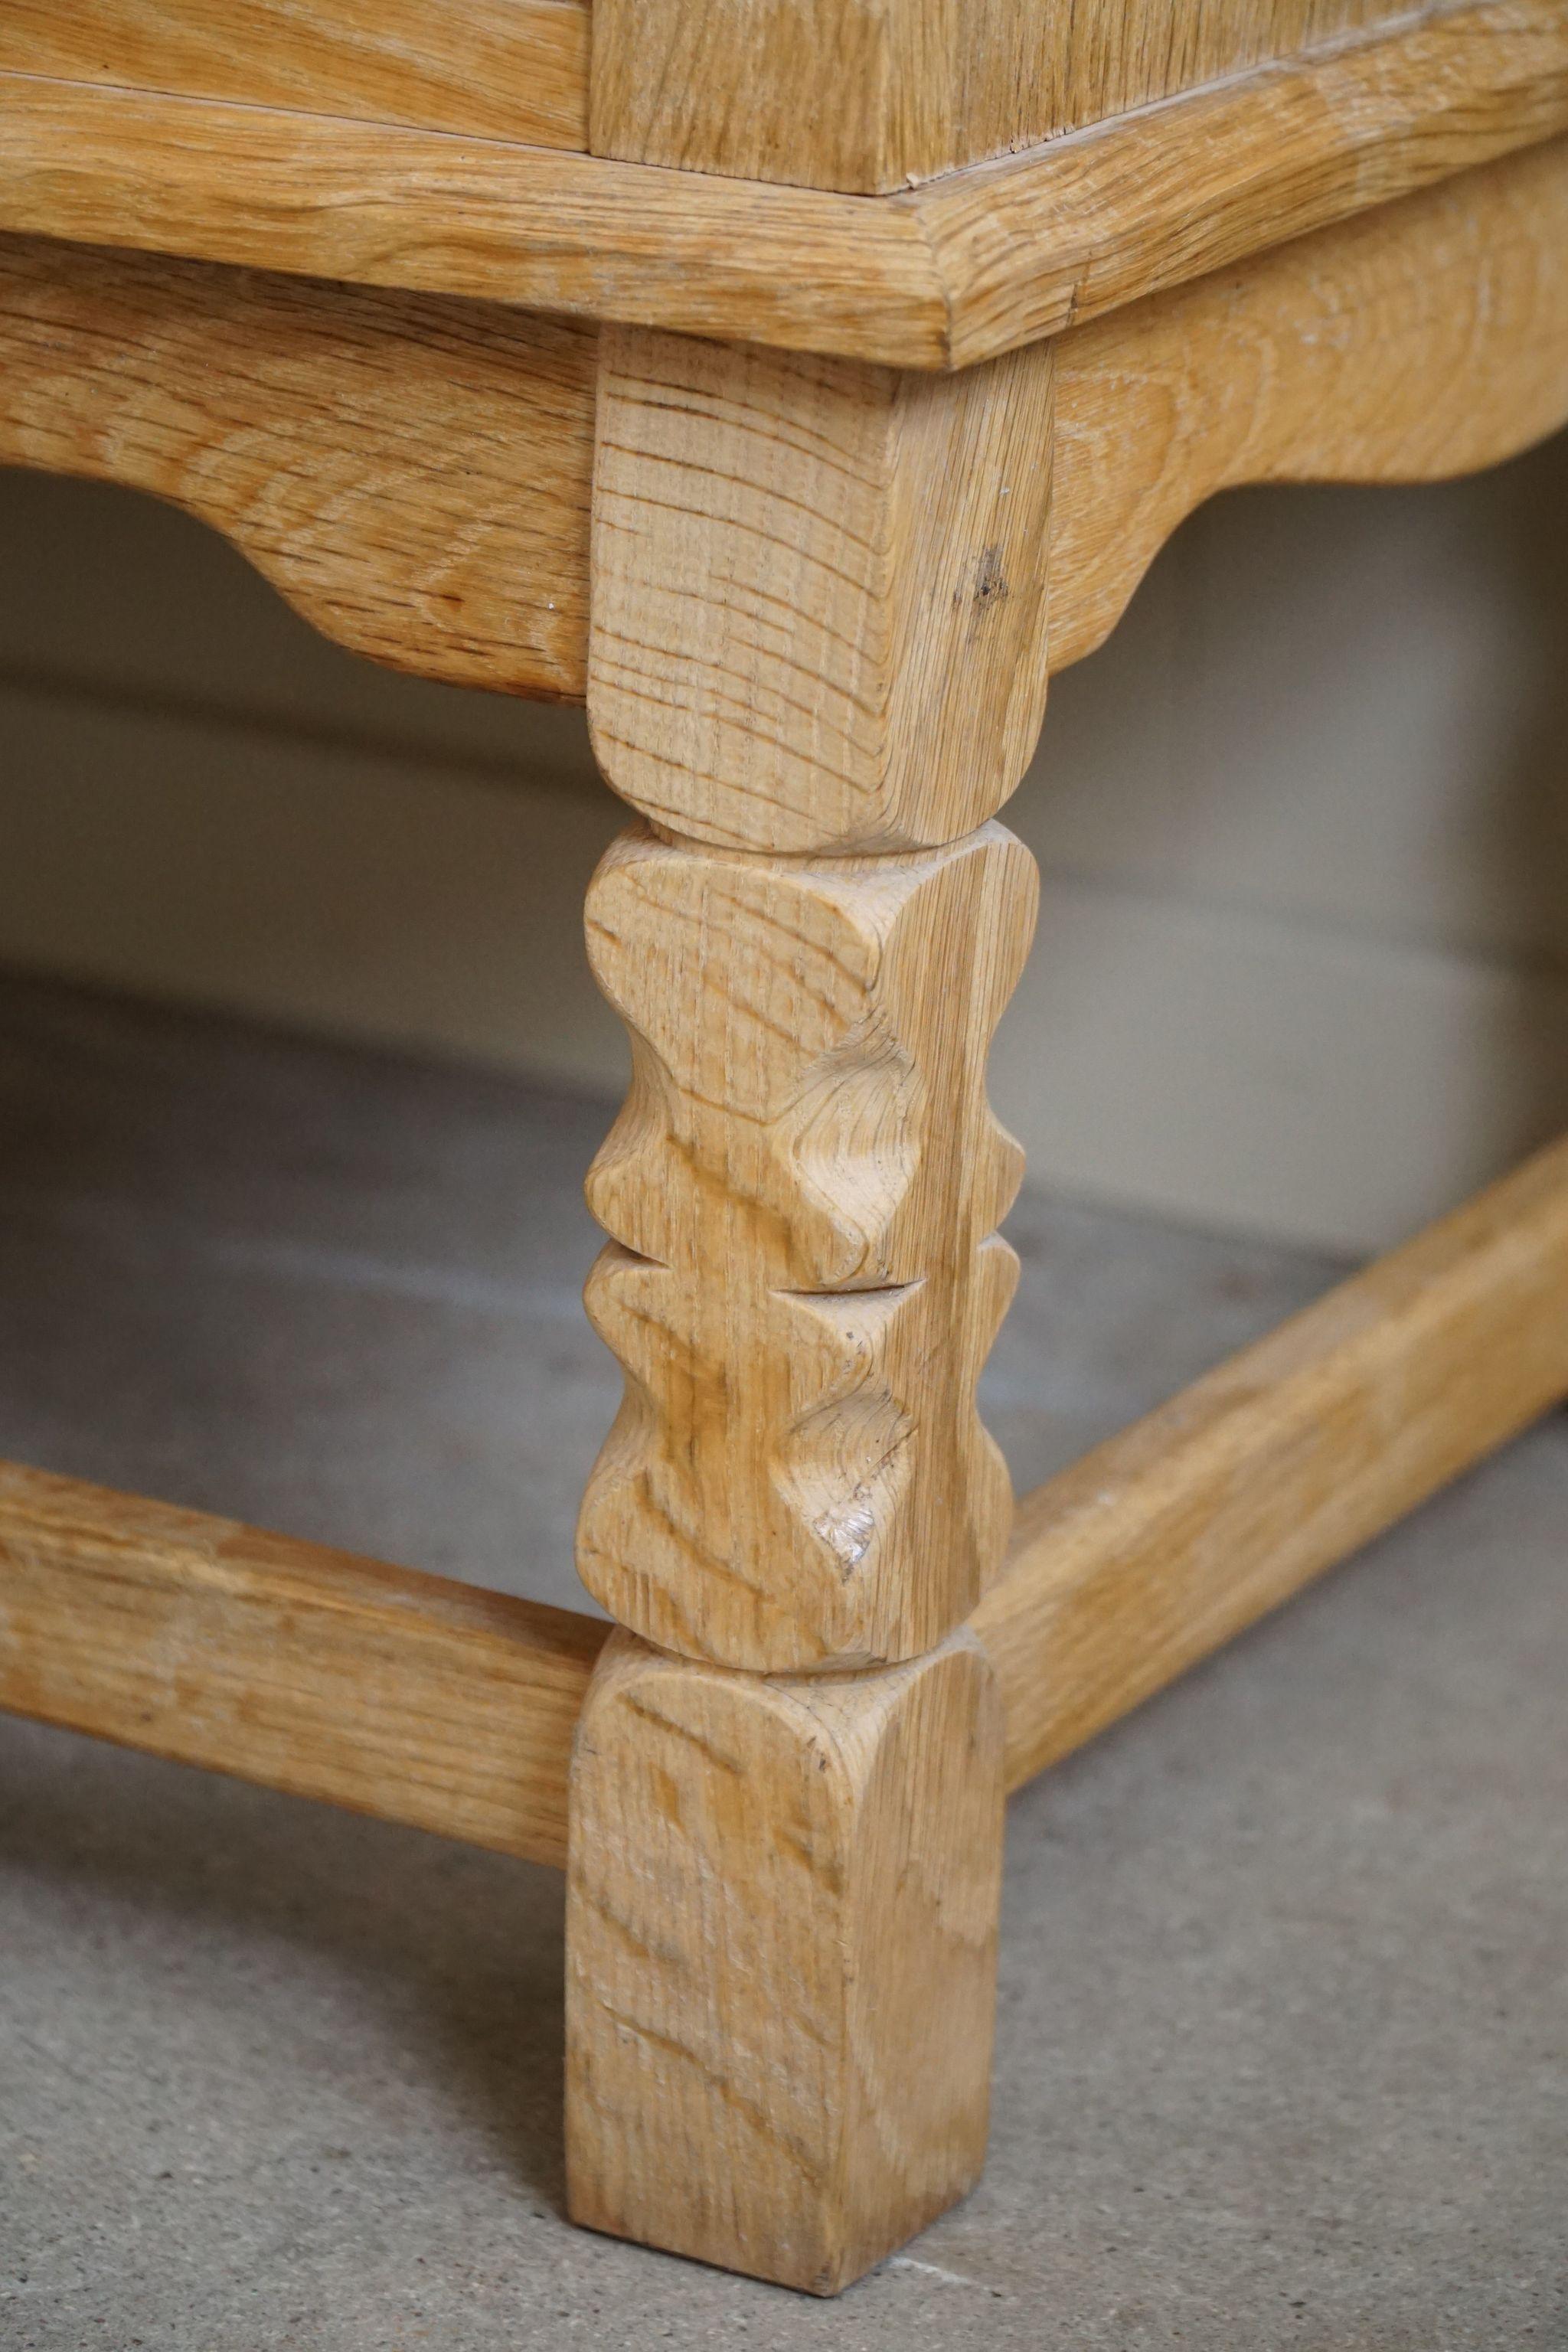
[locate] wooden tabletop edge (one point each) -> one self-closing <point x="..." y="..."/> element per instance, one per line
<point x="940" y="275"/>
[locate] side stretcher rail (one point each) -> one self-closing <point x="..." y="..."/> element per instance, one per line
<point x="425" y="1701"/>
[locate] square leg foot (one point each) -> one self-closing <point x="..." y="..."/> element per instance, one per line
<point x="781" y="1976"/>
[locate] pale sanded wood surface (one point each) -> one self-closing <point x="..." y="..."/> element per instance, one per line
<point x="781" y="1947"/>
<point x="976" y="263"/>
<point x="1418" y="341"/>
<point x="414" y="475"/>
<point x="817" y="629"/>
<point x="1425" y="338"/>
<point x="782" y="1905"/>
<point x="1083" y="226"/>
<point x="870" y="94"/>
<point x="531" y="225"/>
<point x="505" y="69"/>
<point x="407" y="1696"/>
<point x="1163" y="1543"/>
<point x="818" y="612"/>
<point x="804" y="1277"/>
<point x="421" y="1700"/>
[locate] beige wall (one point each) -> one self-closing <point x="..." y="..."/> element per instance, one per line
<point x="1303" y="961"/>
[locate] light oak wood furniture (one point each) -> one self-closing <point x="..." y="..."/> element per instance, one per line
<point x="797" y="382"/>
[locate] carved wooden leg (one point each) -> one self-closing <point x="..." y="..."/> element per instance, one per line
<point x="783" y="1892"/>
<point x="786" y="1800"/>
<point x="804" y="1276"/>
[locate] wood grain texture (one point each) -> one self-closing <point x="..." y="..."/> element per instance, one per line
<point x="870" y="95"/>
<point x="818" y="611"/>
<point x="381" y="205"/>
<point x="407" y="1696"/>
<point x="424" y="1701"/>
<point x="945" y="276"/>
<point x="818" y="624"/>
<point x="1162" y="1544"/>
<point x="1424" y="339"/>
<point x="1427" y="339"/>
<point x="505" y="69"/>
<point x="413" y="475"/>
<point x="1090" y="223"/>
<point x="781" y="1949"/>
<point x="804" y="1276"/>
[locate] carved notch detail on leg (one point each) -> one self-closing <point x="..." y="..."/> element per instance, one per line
<point x="804" y="1277"/>
<point x="782" y="1923"/>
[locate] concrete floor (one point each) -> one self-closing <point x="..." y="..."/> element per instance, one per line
<point x="1284" y="2007"/>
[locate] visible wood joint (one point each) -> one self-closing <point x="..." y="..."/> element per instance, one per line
<point x="818" y="616"/>
<point x="419" y="1699"/>
<point x="816" y="663"/>
<point x="804" y="1276"/>
<point x="781" y="1901"/>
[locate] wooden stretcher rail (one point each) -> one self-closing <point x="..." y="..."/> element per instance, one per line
<point x="1159" y="1545"/>
<point x="404" y="1696"/>
<point x="424" y="1701"/>
<point x="973" y="264"/>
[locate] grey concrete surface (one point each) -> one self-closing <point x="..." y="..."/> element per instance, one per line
<point x="1283" y="2045"/>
